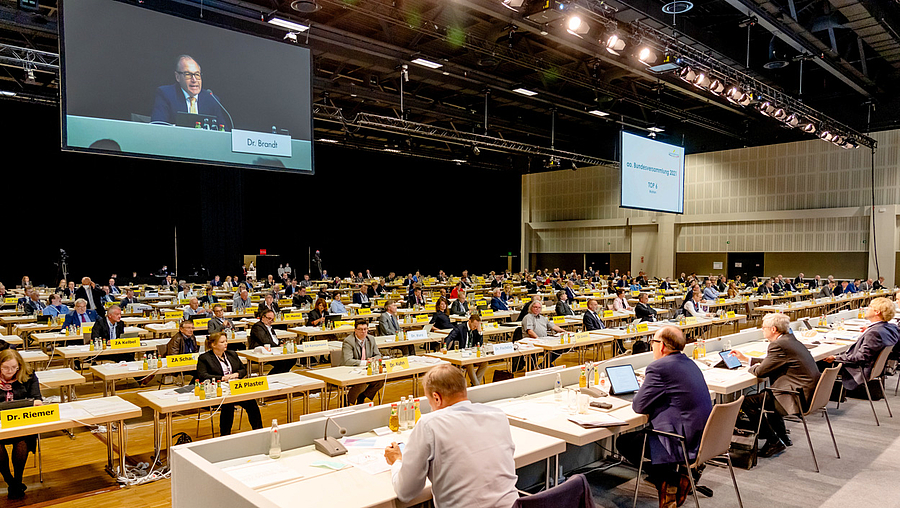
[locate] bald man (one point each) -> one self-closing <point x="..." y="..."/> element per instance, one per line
<point x="187" y="95"/>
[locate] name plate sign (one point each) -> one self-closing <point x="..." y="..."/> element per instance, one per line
<point x="181" y="360"/>
<point x="487" y="313"/>
<point x="126" y="343"/>
<point x="364" y="311"/>
<point x="254" y="384"/>
<point x="607" y="313"/>
<point x="201" y="322"/>
<point x="491" y="326"/>
<point x="729" y="314"/>
<point x="184" y="301"/>
<point x="338" y="324"/>
<point x="285" y="302"/>
<point x="174" y="314"/>
<point x="315" y="345"/>
<point x="690" y="320"/>
<point x="505" y="348"/>
<point x="86" y="328"/>
<point x="262" y="143"/>
<point x="429" y="306"/>
<point x="11" y="300"/>
<point x="29" y="416"/>
<point x="397" y="364"/>
<point x="291" y="316"/>
<point x="417" y="334"/>
<point x="582" y="336"/>
<point x="559" y="320"/>
<point x="422" y="318"/>
<point x="641" y="327"/>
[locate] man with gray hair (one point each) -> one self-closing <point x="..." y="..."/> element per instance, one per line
<point x="790" y="368"/>
<point x="466" y="469"/>
<point x="186" y="95"/>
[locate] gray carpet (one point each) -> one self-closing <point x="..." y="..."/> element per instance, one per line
<point x="867" y="474"/>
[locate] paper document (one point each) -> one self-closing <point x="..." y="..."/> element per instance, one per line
<point x="257" y="475"/>
<point x="102" y="406"/>
<point x="71" y="412"/>
<point x="595" y="420"/>
<point x="533" y="411"/>
<point x="372" y="462"/>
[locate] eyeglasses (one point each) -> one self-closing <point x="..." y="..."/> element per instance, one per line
<point x="14" y="368"/>
<point x="189" y="75"/>
<point x="655" y="340"/>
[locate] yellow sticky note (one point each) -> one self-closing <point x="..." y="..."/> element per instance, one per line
<point x="29" y="416"/>
<point x="397" y="364"/>
<point x="181" y="360"/>
<point x="253" y="384"/>
<point x="126" y="343"/>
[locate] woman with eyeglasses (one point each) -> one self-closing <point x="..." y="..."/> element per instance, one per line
<point x="17" y="382"/>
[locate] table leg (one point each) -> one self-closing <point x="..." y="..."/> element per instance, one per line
<point x="305" y="403"/>
<point x="121" y="446"/>
<point x="290" y="407"/>
<point x="547" y="475"/>
<point x="168" y="434"/>
<point x="109" y="447"/>
<point x="156" y="434"/>
<point x="556" y="471"/>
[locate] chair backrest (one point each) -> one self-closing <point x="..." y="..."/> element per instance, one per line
<point x="822" y="394"/>
<point x="719" y="429"/>
<point x="336" y="357"/>
<point x="574" y="493"/>
<point x="878" y="367"/>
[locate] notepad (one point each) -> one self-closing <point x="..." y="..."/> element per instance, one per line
<point x="257" y="475"/>
<point x="596" y="420"/>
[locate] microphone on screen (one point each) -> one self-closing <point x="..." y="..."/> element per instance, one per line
<point x="211" y="94"/>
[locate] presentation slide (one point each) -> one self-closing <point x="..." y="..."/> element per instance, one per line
<point x="142" y="83"/>
<point x="652" y="174"/>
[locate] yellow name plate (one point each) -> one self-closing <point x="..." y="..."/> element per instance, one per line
<point x="290" y="316"/>
<point x="253" y="384"/>
<point x="635" y="293"/>
<point x="184" y="301"/>
<point x="429" y="306"/>
<point x="201" y="322"/>
<point x="729" y="314"/>
<point x="365" y="311"/>
<point x="607" y="313"/>
<point x="720" y="300"/>
<point x="338" y="324"/>
<point x="491" y="326"/>
<point x="174" y="314"/>
<point x="558" y="320"/>
<point x="487" y="313"/>
<point x="423" y="318"/>
<point x="181" y="360"/>
<point x="109" y="304"/>
<point x="380" y="303"/>
<point x="11" y="300"/>
<point x="397" y="364"/>
<point x="86" y="328"/>
<point x="29" y="416"/>
<point x="125" y="343"/>
<point x="255" y="298"/>
<point x="582" y="336"/>
<point x="285" y="302"/>
<point x="480" y="303"/>
<point x="690" y="320"/>
<point x="641" y="327"/>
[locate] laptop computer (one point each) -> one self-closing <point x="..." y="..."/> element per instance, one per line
<point x="16" y="404"/>
<point x="622" y="379"/>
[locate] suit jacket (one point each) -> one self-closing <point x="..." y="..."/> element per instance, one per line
<point x="644" y="312"/>
<point x="386" y="324"/>
<point x="101" y="329"/>
<point x="459" y="308"/>
<point x="176" y="345"/>
<point x="798" y="281"/>
<point x="826" y="291"/>
<point x="259" y="336"/>
<point x="300" y="301"/>
<point x="466" y="337"/>
<point x="32" y="306"/>
<point x="665" y="285"/>
<point x="498" y="304"/>
<point x="262" y="306"/>
<point x="411" y="300"/>
<point x="125" y="302"/>
<point x="570" y="294"/>
<point x="789" y="366"/>
<point x="592" y="321"/>
<point x="72" y="318"/>
<point x="358" y="298"/>
<point x="859" y="359"/>
<point x="564" y="309"/>
<point x="763" y="290"/>
<point x="441" y="321"/>
<point x="97" y="294"/>
<point x="216" y="325"/>
<point x="208" y="366"/>
<point x="675" y="396"/>
<point x="169" y="100"/>
<point x="352" y="353"/>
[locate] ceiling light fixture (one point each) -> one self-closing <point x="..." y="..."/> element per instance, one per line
<point x="767" y="108"/>
<point x="655" y="129"/>
<point x="427" y="63"/>
<point x="687" y="74"/>
<point x="614" y="44"/>
<point x="513" y="5"/>
<point x="305" y="6"/>
<point x="717" y="87"/>
<point x="577" y="26"/>
<point x="287" y="24"/>
<point x="647" y="56"/>
<point x="701" y="81"/>
<point x="525" y="91"/>
<point x="597" y="112"/>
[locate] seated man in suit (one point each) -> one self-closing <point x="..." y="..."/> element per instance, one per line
<point x="81" y="315"/>
<point x="219" y="323"/>
<point x="857" y="361"/>
<point x="643" y="311"/>
<point x="108" y="329"/>
<point x="113" y="288"/>
<point x="262" y="334"/>
<point x="798" y="280"/>
<point x="129" y="299"/>
<point x="466" y="335"/>
<point x="675" y="396"/>
<point x="767" y="288"/>
<point x="710" y="293"/>
<point x="33" y="304"/>
<point x="460" y="307"/>
<point x="357" y="349"/>
<point x="55" y="308"/>
<point x="827" y="290"/>
<point x="497" y="301"/>
<point x="241" y="303"/>
<point x="268" y="304"/>
<point x="562" y="304"/>
<point x="790" y="367"/>
<point x="184" y="341"/>
<point x="388" y="324"/>
<point x="186" y="95"/>
<point x="193" y="309"/>
<point x="416" y="299"/>
<point x="591" y="319"/>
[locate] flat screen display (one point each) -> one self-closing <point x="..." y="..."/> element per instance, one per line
<point x="652" y="174"/>
<point x="138" y="82"/>
<point x="622" y="379"/>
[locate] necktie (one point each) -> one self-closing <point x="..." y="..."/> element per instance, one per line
<point x="194" y="105"/>
<point x="82" y="318"/>
<point x="396" y="325"/>
<point x="362" y="348"/>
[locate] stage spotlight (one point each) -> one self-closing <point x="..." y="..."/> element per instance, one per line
<point x="687" y="74"/>
<point x="808" y="127"/>
<point x="838" y="139"/>
<point x="717" y="87"/>
<point x="737" y="96"/>
<point x="614" y="44"/>
<point x="779" y="114"/>
<point x="792" y="120"/>
<point x="513" y="4"/>
<point x="826" y="135"/>
<point x="647" y="56"/>
<point x="767" y="108"/>
<point x="701" y="81"/>
<point x="577" y="26"/>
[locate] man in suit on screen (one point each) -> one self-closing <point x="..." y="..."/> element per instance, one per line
<point x="186" y="95"/>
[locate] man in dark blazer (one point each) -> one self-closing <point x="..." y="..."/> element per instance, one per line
<point x="129" y="299"/>
<point x="591" y="319"/>
<point x="185" y="95"/>
<point x="643" y="311"/>
<point x="268" y="304"/>
<point x="109" y="328"/>
<point x="675" y="396"/>
<point x="789" y="367"/>
<point x="827" y="290"/>
<point x="857" y="361"/>
<point x="92" y="294"/>
<point x="466" y="335"/>
<point x="80" y="315"/>
<point x="766" y="288"/>
<point x="358" y="348"/>
<point x="262" y="334"/>
<point x="415" y="298"/>
<point x="562" y="305"/>
<point x="361" y="297"/>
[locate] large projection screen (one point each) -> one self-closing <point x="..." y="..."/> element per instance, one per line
<point x="138" y="82"/>
<point x="652" y="174"/>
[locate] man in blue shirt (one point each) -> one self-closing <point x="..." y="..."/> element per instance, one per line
<point x="56" y="308"/>
<point x="709" y="292"/>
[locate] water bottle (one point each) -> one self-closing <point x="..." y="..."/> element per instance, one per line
<point x="274" y="441"/>
<point x="403" y="419"/>
<point x="557" y="389"/>
<point x="728" y="345"/>
<point x="602" y="384"/>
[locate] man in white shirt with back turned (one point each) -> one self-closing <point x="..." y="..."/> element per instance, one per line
<point x="466" y="469"/>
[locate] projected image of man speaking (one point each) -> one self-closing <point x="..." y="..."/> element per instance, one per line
<point x="186" y="96"/>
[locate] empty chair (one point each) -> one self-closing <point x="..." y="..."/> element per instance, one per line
<point x="574" y="493"/>
<point x="716" y="441"/>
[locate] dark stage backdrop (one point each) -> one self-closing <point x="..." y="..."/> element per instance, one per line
<point x="362" y="210"/>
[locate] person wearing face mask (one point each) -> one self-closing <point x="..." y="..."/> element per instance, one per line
<point x="92" y="295"/>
